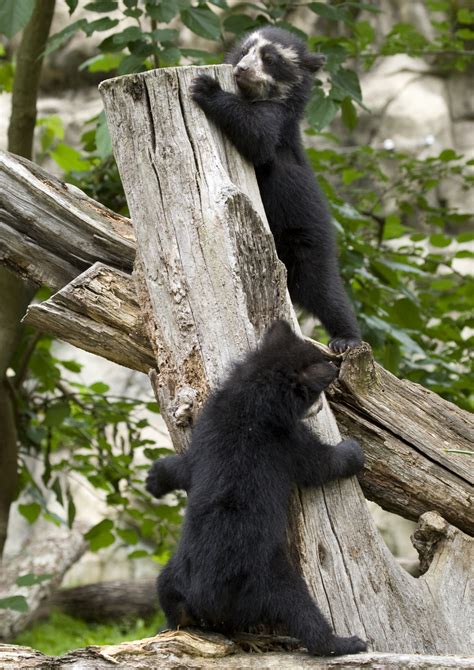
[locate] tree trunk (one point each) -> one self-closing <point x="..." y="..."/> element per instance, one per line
<point x="29" y="61"/>
<point x="209" y="282"/>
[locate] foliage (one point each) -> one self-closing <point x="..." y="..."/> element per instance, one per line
<point x="81" y="432"/>
<point x="60" y="633"/>
<point x="415" y="308"/>
<point x="14" y="15"/>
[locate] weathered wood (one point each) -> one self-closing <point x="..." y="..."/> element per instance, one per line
<point x="52" y="554"/>
<point x="176" y="650"/>
<point x="209" y="282"/>
<point x="50" y="231"/>
<point x="406" y="431"/>
<point x="98" y="312"/>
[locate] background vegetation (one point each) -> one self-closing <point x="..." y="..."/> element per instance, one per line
<point x="397" y="242"/>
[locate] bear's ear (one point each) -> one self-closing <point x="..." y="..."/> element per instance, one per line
<point x="278" y="334"/>
<point x="313" y="62"/>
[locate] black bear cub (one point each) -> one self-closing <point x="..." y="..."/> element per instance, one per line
<point x="274" y="72"/>
<point x="249" y="446"/>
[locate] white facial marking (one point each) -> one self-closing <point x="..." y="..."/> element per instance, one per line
<point x="252" y="61"/>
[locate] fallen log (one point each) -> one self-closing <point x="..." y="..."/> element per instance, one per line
<point x="98" y="311"/>
<point x="51" y="231"/>
<point x="176" y="650"/>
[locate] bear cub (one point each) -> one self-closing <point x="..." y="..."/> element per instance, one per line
<point x="231" y="570"/>
<point x="274" y="72"/>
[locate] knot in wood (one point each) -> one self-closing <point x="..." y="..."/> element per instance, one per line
<point x="184" y="406"/>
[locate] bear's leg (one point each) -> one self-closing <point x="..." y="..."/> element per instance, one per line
<point x="292" y="605"/>
<point x="173" y="603"/>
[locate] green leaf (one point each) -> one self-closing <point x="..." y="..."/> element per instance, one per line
<point x="406" y="314"/>
<point x="328" y="11"/>
<point x="101" y="63"/>
<point x="465" y="16"/>
<point x="99" y="387"/>
<point x="239" y="23"/>
<point x="128" y="535"/>
<point x="130" y="34"/>
<point x="347" y="81"/>
<point x="106" y="23"/>
<point x="220" y="3"/>
<point x="17" y="603"/>
<point x="350" y="174"/>
<point x="71" y="509"/>
<point x="69" y="159"/>
<point x="393" y="229"/>
<point x="440" y="240"/>
<point x="31" y="579"/>
<point x="465" y="34"/>
<point x="60" y="38"/>
<point x="349" y="113"/>
<point x="321" y="111"/>
<point x="448" y="155"/>
<point x="6" y="76"/>
<point x="31" y="512"/>
<point x="162" y="12"/>
<point x="139" y="553"/>
<point x="102" y="6"/>
<point x="72" y="366"/>
<point x="164" y="35"/>
<point x="14" y="15"/>
<point x="56" y="487"/>
<point x="72" y="4"/>
<point x="201" y="21"/>
<point x="100" y="535"/>
<point x="153" y="407"/>
<point x="465" y="237"/>
<point x="365" y="32"/>
<point x="102" y="138"/>
<point x="56" y="413"/>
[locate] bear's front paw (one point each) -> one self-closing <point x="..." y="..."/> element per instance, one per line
<point x="340" y="344"/>
<point x="353" y="455"/>
<point x="154" y="482"/>
<point x="203" y="87"/>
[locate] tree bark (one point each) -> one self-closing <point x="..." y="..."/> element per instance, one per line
<point x="209" y="282"/>
<point x="50" y="231"/>
<point x="179" y="650"/>
<point x="98" y="312"/>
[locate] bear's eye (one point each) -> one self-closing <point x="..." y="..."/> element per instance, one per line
<point x="270" y="58"/>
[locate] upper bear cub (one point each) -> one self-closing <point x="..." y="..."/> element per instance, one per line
<point x="249" y="447"/>
<point x="274" y="72"/>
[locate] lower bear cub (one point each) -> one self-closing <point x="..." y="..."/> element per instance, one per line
<point x="249" y="447"/>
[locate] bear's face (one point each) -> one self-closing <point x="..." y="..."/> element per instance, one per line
<point x="293" y="368"/>
<point x="269" y="63"/>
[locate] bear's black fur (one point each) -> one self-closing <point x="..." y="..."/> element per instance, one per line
<point x="274" y="71"/>
<point x="249" y="446"/>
